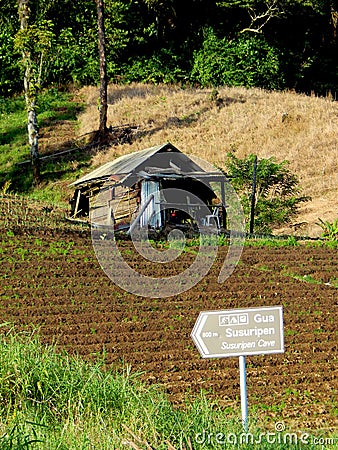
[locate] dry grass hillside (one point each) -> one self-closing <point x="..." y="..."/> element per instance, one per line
<point x="286" y="125"/>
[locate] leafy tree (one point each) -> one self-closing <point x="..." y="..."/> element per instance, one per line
<point x="277" y="190"/>
<point x="34" y="41"/>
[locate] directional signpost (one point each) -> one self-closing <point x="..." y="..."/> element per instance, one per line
<point x="240" y="332"/>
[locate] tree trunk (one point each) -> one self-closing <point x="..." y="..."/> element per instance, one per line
<point x="30" y="97"/>
<point x="33" y="139"/>
<point x="103" y="72"/>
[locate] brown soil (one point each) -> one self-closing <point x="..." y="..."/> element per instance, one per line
<point x="52" y="280"/>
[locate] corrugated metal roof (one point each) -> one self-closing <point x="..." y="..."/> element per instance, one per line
<point x="125" y="164"/>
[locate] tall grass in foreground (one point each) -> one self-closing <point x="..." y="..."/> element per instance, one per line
<point x="50" y="400"/>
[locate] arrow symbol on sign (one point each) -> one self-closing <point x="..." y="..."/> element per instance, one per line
<point x="196" y="334"/>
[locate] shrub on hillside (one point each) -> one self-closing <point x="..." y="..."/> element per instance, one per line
<point x="248" y="60"/>
<point x="163" y="66"/>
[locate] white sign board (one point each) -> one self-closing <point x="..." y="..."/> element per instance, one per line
<point x="239" y="332"/>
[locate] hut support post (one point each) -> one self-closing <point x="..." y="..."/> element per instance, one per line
<point x="253" y="196"/>
<point x="137" y="219"/>
<point x="77" y="203"/>
<point x="224" y="212"/>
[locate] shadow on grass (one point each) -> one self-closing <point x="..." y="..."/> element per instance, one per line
<point x="15" y="168"/>
<point x="21" y="176"/>
<point x="13" y="134"/>
<point x="60" y="160"/>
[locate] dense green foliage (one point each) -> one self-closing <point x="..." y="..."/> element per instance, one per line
<point x="226" y="62"/>
<point x="277" y="191"/>
<point x="189" y="42"/>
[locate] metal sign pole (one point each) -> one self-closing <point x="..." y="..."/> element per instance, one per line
<point x="244" y="396"/>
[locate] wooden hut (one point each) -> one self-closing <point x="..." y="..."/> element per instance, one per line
<point x="136" y="189"/>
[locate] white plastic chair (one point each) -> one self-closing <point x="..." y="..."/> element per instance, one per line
<point x="213" y="219"/>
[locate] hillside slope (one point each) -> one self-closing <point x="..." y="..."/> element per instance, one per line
<point x="209" y="123"/>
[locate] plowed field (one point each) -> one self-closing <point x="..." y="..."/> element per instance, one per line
<point x="52" y="280"/>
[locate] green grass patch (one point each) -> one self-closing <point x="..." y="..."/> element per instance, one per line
<point x="51" y="400"/>
<point x="53" y="105"/>
<point x="272" y="241"/>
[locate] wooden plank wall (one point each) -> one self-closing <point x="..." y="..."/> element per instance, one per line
<point x="114" y="205"/>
